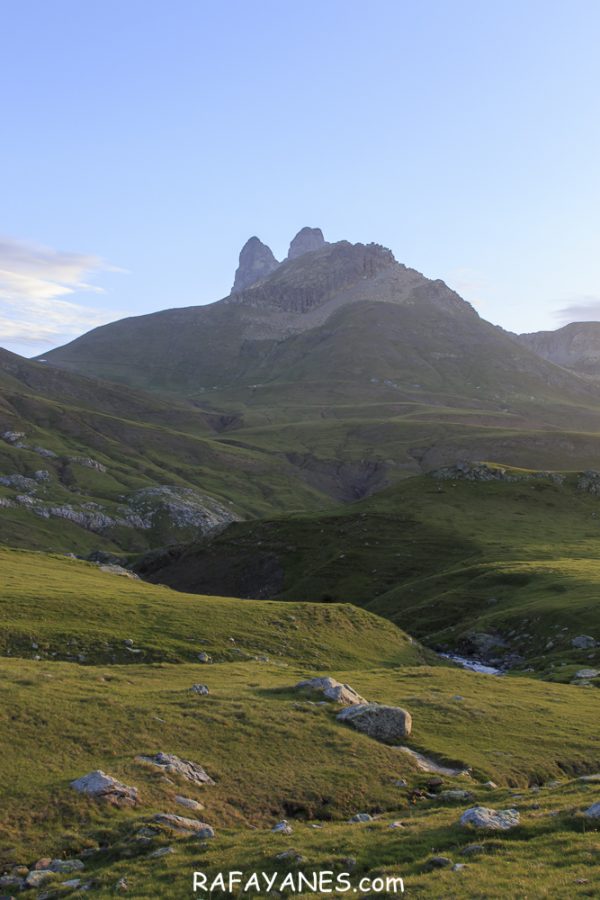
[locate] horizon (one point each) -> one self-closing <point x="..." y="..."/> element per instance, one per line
<point x="461" y="137"/>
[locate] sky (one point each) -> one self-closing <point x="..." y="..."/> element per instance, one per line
<point x="143" y="141"/>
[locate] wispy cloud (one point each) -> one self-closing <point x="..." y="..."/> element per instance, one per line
<point x="34" y="281"/>
<point x="580" y="309"/>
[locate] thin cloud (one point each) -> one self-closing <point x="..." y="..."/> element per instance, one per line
<point x="34" y="280"/>
<point x="581" y="309"/>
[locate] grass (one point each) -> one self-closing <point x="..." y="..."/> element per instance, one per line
<point x="271" y="750"/>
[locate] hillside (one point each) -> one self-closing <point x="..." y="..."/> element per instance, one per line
<point x="494" y="563"/>
<point x="575" y="346"/>
<point x="270" y="750"/>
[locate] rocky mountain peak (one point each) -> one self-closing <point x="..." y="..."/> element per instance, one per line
<point x="256" y="262"/>
<point x="306" y="240"/>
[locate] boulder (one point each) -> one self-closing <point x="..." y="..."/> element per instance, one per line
<point x="592" y="812"/>
<point x="188" y="802"/>
<point x="454" y="795"/>
<point x="172" y="764"/>
<point x="201" y="689"/>
<point x="333" y="690"/>
<point x="361" y="817"/>
<point x="105" y="787"/>
<point x="583" y="642"/>
<point x="480" y="817"/>
<point x="384" y="723"/>
<point x="39" y="877"/>
<point x="184" y="826"/>
<point x="282" y="827"/>
<point x="587" y="673"/>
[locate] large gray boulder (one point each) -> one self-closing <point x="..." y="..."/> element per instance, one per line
<point x="388" y="724"/>
<point x="333" y="690"/>
<point x="480" y="817"/>
<point x="172" y="764"/>
<point x="105" y="787"/>
<point x="583" y="642"/>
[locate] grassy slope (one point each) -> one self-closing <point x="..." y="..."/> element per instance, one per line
<point x="271" y="751"/>
<point x="442" y="559"/>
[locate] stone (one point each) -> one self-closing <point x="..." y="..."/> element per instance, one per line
<point x="592" y="812"/>
<point x="38" y="877"/>
<point x="183" y="825"/>
<point x="204" y="657"/>
<point x="105" y="787"/>
<point x="480" y="817"/>
<point x="122" y="572"/>
<point x="201" y="689"/>
<point x="291" y="856"/>
<point x="44" y="863"/>
<point x="401" y="783"/>
<point x="458" y="867"/>
<point x="455" y="795"/>
<point x="307" y="240"/>
<point x="473" y="850"/>
<point x="172" y="764"/>
<point x="162" y="851"/>
<point x="583" y="642"/>
<point x="438" y="862"/>
<point x="188" y="802"/>
<point x="588" y="778"/>
<point x="255" y="263"/>
<point x="122" y="886"/>
<point x="587" y="673"/>
<point x="491" y="785"/>
<point x="333" y="690"/>
<point x="396" y="825"/>
<point x="12" y="881"/>
<point x="361" y="817"/>
<point x="71" y="883"/>
<point x="282" y="827"/>
<point x="66" y="865"/>
<point x="384" y="723"/>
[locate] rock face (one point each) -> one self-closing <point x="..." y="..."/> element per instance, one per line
<point x="256" y="262"/>
<point x="172" y="764"/>
<point x="106" y="788"/>
<point x="306" y="240"/>
<point x="333" y="690"/>
<point x="479" y="471"/>
<point x="184" y="826"/>
<point x="490" y="819"/>
<point x="384" y="723"/>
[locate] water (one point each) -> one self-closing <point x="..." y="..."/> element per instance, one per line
<point x="472" y="664"/>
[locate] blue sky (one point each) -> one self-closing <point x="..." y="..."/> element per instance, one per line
<point x="143" y="141"/>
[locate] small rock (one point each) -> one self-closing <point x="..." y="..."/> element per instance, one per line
<point x="72" y="883"/>
<point x="593" y="812"/>
<point x="333" y="690"/>
<point x="473" y="850"/>
<point x="66" y="865"/>
<point x="201" y="689"/>
<point x="438" y="862"/>
<point x="20" y="871"/>
<point x="184" y="826"/>
<point x="12" y="881"/>
<point x="458" y="867"/>
<point x="587" y="673"/>
<point x="361" y="817"/>
<point x="401" y="783"/>
<point x="588" y="778"/>
<point x="282" y="827"/>
<point x="188" y="801"/>
<point x="291" y="855"/>
<point x="491" y="785"/>
<point x="122" y="886"/>
<point x="396" y="825"/>
<point x="204" y="657"/>
<point x="583" y="642"/>
<point x="455" y="795"/>
<point x="490" y="819"/>
<point x="162" y="851"/>
<point x="39" y="877"/>
<point x="43" y="863"/>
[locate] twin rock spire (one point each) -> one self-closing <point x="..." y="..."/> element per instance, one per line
<point x="257" y="260"/>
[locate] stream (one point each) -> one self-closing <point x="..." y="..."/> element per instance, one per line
<point x="472" y="664"/>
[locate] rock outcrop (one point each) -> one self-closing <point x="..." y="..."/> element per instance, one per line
<point x="256" y="262"/>
<point x="184" y="826"/>
<point x="384" y="723"/>
<point x="333" y="690"/>
<point x="105" y="787"/>
<point x="480" y="817"/>
<point x="306" y="240"/>
<point x="172" y="764"/>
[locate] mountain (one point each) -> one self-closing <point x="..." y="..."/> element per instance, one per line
<point x="352" y="368"/>
<point x="575" y="346"/>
